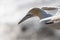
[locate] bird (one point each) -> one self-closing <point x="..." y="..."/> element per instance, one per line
<point x="42" y="31"/>
<point x="38" y="12"/>
<point x="42" y="15"/>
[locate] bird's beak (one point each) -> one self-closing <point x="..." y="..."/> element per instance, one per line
<point x="26" y="17"/>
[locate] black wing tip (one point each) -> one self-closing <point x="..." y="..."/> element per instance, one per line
<point x="49" y="22"/>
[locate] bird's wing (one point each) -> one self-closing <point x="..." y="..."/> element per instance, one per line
<point x="50" y="10"/>
<point x="55" y="18"/>
<point x="54" y="25"/>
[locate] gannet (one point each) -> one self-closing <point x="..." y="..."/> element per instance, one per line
<point x="42" y="15"/>
<point x="31" y="26"/>
<point x="38" y="12"/>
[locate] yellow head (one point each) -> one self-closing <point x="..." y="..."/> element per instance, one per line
<point x="34" y="11"/>
<point x="31" y="13"/>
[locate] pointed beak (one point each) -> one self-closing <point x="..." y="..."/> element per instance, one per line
<point x="26" y="17"/>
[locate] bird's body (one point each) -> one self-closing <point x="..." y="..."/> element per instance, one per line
<point x="43" y="16"/>
<point x="37" y="30"/>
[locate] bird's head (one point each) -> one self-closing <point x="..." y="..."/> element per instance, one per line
<point x="33" y="12"/>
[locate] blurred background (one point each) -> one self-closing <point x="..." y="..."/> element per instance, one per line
<point x="12" y="11"/>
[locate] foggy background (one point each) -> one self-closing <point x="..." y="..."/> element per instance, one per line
<point x="12" y="11"/>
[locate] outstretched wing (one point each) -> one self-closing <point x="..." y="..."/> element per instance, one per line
<point x="50" y="10"/>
